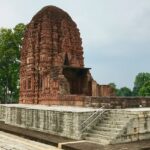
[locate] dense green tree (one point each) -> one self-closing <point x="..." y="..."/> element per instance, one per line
<point x="145" y="89"/>
<point x="124" y="91"/>
<point x="140" y="80"/>
<point x="10" y="44"/>
<point x="18" y="37"/>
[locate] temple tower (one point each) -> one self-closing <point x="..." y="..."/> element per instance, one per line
<point x="52" y="60"/>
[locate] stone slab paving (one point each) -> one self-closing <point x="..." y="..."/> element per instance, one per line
<point x="13" y="142"/>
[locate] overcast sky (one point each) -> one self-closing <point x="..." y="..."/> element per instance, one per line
<point x="115" y="33"/>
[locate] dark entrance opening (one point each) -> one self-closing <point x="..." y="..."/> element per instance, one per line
<point x="66" y="62"/>
<point x="78" y="80"/>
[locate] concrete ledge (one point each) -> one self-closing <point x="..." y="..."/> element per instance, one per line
<point x="83" y="146"/>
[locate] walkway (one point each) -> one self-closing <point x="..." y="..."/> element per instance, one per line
<point x="12" y="142"/>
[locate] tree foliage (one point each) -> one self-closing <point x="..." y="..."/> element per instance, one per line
<point x="140" y="80"/>
<point x="113" y="85"/>
<point x="145" y="89"/>
<point x="141" y="86"/>
<point x="124" y="91"/>
<point x="10" y="44"/>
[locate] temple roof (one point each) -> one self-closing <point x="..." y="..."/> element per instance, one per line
<point x="52" y="12"/>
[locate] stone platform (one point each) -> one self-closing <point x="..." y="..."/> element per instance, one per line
<point x="115" y="126"/>
<point x="57" y="120"/>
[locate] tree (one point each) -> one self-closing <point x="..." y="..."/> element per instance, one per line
<point x="124" y="91"/>
<point x="140" y="80"/>
<point x="18" y="37"/>
<point x="10" y="43"/>
<point x="145" y="89"/>
<point x="113" y="85"/>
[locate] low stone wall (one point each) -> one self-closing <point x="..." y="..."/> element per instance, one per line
<point x="89" y="101"/>
<point x="46" y="119"/>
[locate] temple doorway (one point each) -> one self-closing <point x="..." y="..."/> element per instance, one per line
<point x="78" y="81"/>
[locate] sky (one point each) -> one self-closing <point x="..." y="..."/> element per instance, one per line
<point x="115" y="33"/>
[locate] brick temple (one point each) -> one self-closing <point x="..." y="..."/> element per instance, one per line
<point x="52" y="62"/>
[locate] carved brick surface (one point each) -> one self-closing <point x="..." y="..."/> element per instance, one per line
<point x="52" y="58"/>
<point x="52" y="62"/>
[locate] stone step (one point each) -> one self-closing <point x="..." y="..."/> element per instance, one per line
<point x="109" y="125"/>
<point x="105" y="132"/>
<point x="120" y="122"/>
<point x="118" y="111"/>
<point x="109" y="128"/>
<point x="101" y="136"/>
<point x="119" y="115"/>
<point x="113" y="126"/>
<point x="100" y="141"/>
<point x="103" y="128"/>
<point x="112" y="122"/>
<point x="116" y="118"/>
<point x="102" y="133"/>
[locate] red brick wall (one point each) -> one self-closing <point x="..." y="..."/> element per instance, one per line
<point x="89" y="101"/>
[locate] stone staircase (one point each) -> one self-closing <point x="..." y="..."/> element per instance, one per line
<point x="110" y="128"/>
